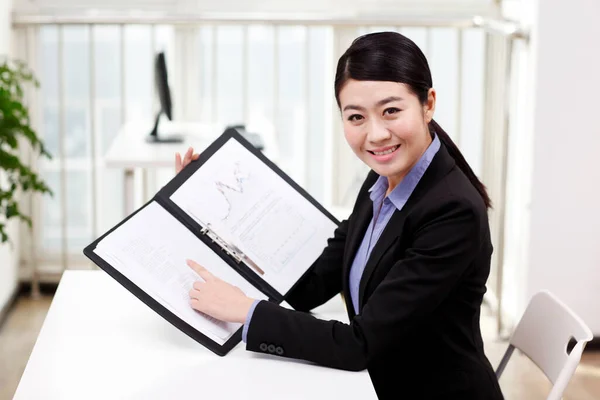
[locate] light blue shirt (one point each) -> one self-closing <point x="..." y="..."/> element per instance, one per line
<point x="247" y="324"/>
<point x="383" y="208"/>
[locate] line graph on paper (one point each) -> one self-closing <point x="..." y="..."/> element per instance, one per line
<point x="228" y="188"/>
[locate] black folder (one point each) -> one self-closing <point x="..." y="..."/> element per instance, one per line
<point x="230" y="254"/>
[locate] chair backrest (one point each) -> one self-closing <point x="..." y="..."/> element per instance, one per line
<point x="543" y="334"/>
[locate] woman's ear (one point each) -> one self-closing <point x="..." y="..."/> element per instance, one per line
<point x="429" y="107"/>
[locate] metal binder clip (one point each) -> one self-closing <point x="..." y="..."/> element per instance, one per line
<point x="229" y="248"/>
<point x="224" y="245"/>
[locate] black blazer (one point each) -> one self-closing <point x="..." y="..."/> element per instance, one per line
<point x="417" y="330"/>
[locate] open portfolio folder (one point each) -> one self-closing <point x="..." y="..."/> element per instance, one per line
<point x="232" y="211"/>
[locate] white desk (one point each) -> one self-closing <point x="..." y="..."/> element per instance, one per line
<point x="130" y="150"/>
<point x="100" y="342"/>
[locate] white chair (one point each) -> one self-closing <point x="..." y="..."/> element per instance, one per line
<point x="543" y="334"/>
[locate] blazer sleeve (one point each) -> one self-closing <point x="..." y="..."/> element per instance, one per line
<point x="324" y="278"/>
<point x="442" y="249"/>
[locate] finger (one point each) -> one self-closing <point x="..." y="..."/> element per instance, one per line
<point x="188" y="156"/>
<point x="195" y="156"/>
<point x="185" y="160"/>
<point x="195" y="304"/>
<point x="194" y="293"/>
<point x="177" y="162"/>
<point x="200" y="270"/>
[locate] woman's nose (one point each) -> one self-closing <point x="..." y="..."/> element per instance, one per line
<point x="378" y="132"/>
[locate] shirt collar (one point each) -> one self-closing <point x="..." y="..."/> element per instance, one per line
<point x="402" y="192"/>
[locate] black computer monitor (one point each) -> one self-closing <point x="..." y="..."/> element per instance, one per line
<point x="164" y="95"/>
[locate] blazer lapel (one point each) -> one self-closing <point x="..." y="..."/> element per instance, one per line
<point x="392" y="230"/>
<point x="356" y="232"/>
<point x="441" y="164"/>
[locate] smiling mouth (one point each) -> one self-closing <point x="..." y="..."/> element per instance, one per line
<point x="383" y="153"/>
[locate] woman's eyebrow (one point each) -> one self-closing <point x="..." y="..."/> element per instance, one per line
<point x="378" y="104"/>
<point x="353" y="107"/>
<point x="388" y="100"/>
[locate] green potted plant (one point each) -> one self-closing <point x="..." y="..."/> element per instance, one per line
<point x="15" y="130"/>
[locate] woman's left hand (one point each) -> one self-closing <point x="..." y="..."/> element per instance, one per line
<point x="218" y="298"/>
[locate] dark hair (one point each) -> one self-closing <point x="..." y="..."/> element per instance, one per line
<point x="390" y="56"/>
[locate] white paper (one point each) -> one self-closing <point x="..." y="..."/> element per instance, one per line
<point x="151" y="250"/>
<point x="247" y="204"/>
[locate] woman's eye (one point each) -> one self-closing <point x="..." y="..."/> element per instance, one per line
<point x="355" y="117"/>
<point x="391" y="110"/>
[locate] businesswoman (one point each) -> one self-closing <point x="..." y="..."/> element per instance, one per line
<point x="413" y="258"/>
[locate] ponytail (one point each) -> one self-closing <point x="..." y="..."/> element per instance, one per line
<point x="459" y="159"/>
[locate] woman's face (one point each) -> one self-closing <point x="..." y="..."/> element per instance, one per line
<point x="386" y="125"/>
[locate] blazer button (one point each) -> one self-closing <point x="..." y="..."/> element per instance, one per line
<point x="263" y="347"/>
<point x="271" y="348"/>
<point x="279" y="350"/>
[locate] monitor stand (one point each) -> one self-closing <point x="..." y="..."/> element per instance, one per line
<point x="154" y="138"/>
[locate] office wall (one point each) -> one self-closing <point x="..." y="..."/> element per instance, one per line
<point x="5" y="7"/>
<point x="8" y="255"/>
<point x="564" y="229"/>
<point x="518" y="10"/>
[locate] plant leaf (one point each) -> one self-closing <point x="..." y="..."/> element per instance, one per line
<point x="15" y="128"/>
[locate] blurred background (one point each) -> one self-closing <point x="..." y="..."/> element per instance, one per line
<point x="507" y="85"/>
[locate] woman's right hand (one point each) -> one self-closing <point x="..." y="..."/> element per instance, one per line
<point x="187" y="158"/>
